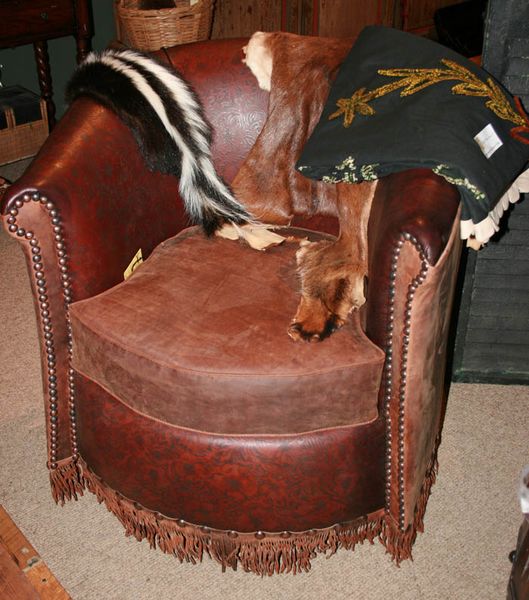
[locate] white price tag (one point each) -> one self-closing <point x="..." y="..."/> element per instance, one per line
<point x="488" y="140"/>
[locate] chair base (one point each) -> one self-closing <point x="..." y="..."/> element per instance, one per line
<point x="259" y="552"/>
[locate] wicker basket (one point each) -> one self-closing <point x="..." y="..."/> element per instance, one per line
<point x="22" y="141"/>
<point x="150" y="30"/>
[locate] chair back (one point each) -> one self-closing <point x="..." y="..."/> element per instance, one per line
<point x="234" y="104"/>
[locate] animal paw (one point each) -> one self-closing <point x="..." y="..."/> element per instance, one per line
<point x="313" y="322"/>
<point x="332" y="285"/>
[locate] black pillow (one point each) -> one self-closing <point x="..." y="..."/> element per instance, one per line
<point x="401" y="101"/>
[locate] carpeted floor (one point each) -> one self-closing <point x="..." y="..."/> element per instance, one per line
<point x="470" y="527"/>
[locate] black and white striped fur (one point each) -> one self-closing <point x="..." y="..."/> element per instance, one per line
<point x="169" y="125"/>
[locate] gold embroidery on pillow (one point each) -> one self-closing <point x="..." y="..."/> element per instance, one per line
<point x="414" y="80"/>
<point x="357" y="103"/>
<point x="444" y="171"/>
<point x="347" y="172"/>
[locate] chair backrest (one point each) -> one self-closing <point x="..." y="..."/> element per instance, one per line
<point x="235" y="105"/>
<point x="237" y="109"/>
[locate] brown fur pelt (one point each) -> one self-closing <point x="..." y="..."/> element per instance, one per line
<point x="298" y="72"/>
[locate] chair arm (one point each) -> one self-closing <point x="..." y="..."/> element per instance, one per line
<point x="109" y="203"/>
<point x="414" y="257"/>
<point x="81" y="211"/>
<point x="415" y="203"/>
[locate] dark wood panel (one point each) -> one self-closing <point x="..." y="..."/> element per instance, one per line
<point x="241" y="18"/>
<point x="503" y="323"/>
<point x="501" y="296"/>
<point x="499" y="357"/>
<point x="418" y="14"/>
<point x="343" y="18"/>
<point x="504" y="267"/>
<point x="294" y="20"/>
<point x="300" y="16"/>
<point x="498" y="336"/>
<point x="502" y="281"/>
<point x="308" y="19"/>
<point x="481" y="308"/>
<point x="328" y="18"/>
<point x="23" y="22"/>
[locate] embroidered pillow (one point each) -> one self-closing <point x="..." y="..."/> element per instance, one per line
<point x="401" y="101"/>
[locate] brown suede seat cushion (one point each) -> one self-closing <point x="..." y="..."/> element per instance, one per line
<point x="197" y="337"/>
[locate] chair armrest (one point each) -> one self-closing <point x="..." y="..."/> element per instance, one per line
<point x="81" y="211"/>
<point x="415" y="203"/>
<point x="414" y="257"/>
<point x="108" y="202"/>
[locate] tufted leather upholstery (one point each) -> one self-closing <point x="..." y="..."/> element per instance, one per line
<point x="234" y="471"/>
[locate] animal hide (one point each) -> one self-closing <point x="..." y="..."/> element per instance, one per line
<point x="298" y="72"/>
<point x="168" y="123"/>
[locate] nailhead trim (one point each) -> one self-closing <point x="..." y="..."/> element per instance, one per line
<point x="46" y="321"/>
<point x="96" y="485"/>
<point x="389" y="370"/>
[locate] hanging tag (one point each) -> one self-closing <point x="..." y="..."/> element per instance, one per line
<point x="134" y="264"/>
<point x="488" y="140"/>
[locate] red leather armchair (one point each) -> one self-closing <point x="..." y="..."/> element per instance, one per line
<point x="204" y="441"/>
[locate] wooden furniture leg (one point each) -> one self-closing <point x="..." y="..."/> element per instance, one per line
<point x="44" y="72"/>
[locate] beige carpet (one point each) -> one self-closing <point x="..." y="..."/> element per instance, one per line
<point x="471" y="521"/>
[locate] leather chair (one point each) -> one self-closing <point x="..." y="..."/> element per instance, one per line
<point x="178" y="398"/>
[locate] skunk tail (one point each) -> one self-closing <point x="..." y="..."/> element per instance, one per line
<point x="168" y="122"/>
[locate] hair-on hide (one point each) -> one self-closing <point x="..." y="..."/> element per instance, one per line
<point x="298" y="71"/>
<point x="169" y="125"/>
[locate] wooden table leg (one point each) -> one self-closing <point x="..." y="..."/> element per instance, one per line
<point x="45" y="82"/>
<point x="85" y="32"/>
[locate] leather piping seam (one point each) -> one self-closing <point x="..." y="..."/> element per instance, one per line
<point x="222" y="434"/>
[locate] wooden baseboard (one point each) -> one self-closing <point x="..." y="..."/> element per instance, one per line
<point x="23" y="574"/>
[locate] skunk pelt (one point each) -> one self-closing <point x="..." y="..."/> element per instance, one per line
<point x="169" y="124"/>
